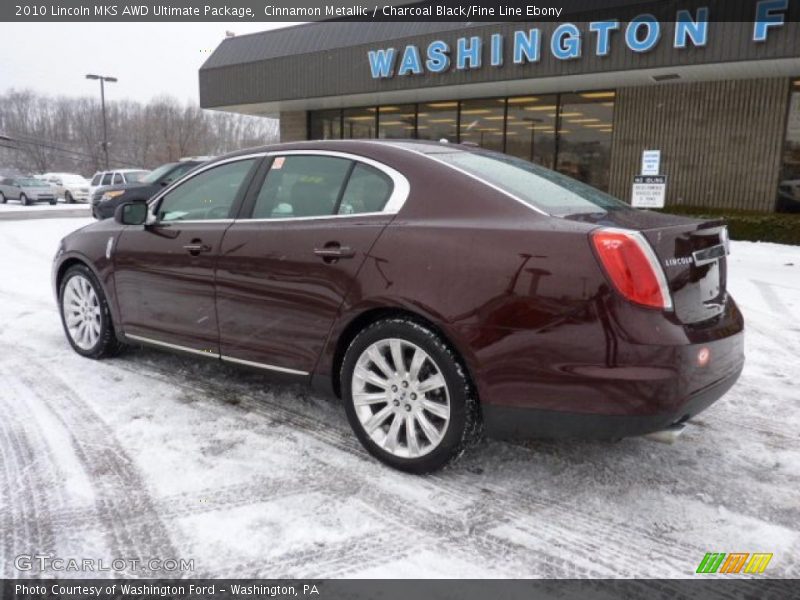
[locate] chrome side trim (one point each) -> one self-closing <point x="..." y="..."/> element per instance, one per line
<point x="473" y="176"/>
<point x="250" y="363"/>
<point x="147" y="340"/>
<point x="230" y="359"/>
<point x="292" y="219"/>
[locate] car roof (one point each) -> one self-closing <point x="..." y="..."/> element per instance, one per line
<point x="420" y="146"/>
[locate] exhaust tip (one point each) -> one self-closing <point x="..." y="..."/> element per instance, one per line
<point x="668" y="435"/>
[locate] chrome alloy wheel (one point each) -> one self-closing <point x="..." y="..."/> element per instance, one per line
<point x="401" y="398"/>
<point x="81" y="309"/>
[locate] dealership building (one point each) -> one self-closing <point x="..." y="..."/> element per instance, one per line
<point x="718" y="100"/>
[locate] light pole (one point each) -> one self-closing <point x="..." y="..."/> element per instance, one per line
<point x="103" y="79"/>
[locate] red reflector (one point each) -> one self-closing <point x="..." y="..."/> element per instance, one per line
<point x="632" y="267"/>
<point x="703" y="356"/>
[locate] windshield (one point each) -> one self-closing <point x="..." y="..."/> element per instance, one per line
<point x="135" y="176"/>
<point x="156" y="174"/>
<point x="30" y="182"/>
<point x="546" y="190"/>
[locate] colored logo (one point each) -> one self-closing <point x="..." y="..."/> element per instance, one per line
<point x="719" y="562"/>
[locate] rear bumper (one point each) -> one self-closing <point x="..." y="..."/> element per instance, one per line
<point x="506" y="422"/>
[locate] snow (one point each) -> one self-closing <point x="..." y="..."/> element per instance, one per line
<point x="12" y="206"/>
<point x="151" y="455"/>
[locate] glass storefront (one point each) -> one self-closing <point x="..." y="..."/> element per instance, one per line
<point x="397" y="122"/>
<point x="788" y="199"/>
<point x="531" y="128"/>
<point x="584" y="137"/>
<point x="568" y="132"/>
<point x="359" y="123"/>
<point x="482" y="122"/>
<point x="326" y="125"/>
<point x="437" y="121"/>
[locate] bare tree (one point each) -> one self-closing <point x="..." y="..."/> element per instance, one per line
<point x="63" y="134"/>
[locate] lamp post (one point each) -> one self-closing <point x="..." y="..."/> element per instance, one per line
<point x="103" y="79"/>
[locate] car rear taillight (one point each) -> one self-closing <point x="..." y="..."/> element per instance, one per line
<point x="632" y="267"/>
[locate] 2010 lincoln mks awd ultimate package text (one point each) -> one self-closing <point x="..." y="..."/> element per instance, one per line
<point x="440" y="290"/>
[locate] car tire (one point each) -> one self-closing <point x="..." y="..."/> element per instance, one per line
<point x="384" y="404"/>
<point x="23" y="199"/>
<point x="53" y="202"/>
<point x="2" y="198"/>
<point x="85" y="314"/>
<point x="68" y="199"/>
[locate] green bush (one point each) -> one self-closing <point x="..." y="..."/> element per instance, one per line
<point x="780" y="228"/>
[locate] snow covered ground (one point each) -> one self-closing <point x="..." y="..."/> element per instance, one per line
<point x="150" y="455"/>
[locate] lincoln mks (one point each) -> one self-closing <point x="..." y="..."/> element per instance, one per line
<point x="441" y="291"/>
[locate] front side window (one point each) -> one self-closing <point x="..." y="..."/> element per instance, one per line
<point x="367" y="191"/>
<point x="96" y="179"/>
<point x="107" y="179"/>
<point x="301" y="186"/>
<point x="208" y="195"/>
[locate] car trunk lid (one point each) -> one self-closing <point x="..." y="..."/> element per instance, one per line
<point x="691" y="252"/>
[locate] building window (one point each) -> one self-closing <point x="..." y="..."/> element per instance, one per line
<point x="531" y="128"/>
<point x="584" y="137"/>
<point x="397" y="122"/>
<point x="358" y="123"/>
<point x="437" y="121"/>
<point x="789" y="183"/>
<point x="568" y="132"/>
<point x="482" y="123"/>
<point x="326" y="125"/>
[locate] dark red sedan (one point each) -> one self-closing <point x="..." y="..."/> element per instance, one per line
<point x="439" y="290"/>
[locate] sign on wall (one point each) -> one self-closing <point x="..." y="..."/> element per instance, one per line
<point x="649" y="191"/>
<point x="651" y="162"/>
<point x="568" y="41"/>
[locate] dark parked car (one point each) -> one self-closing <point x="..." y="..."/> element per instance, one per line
<point x="437" y="289"/>
<point x="25" y="189"/>
<point x="106" y="199"/>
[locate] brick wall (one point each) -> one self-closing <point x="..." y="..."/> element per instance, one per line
<point x="294" y="126"/>
<point x="721" y="142"/>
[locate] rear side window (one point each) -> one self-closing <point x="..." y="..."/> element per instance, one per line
<point x="107" y="179"/>
<point x="301" y="186"/>
<point x="367" y="191"/>
<point x="547" y="190"/>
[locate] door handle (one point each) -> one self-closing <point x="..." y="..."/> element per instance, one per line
<point x="196" y="247"/>
<point x="332" y="253"/>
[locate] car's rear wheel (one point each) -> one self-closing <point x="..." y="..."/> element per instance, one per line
<point x="408" y="396"/>
<point x="2" y="198"/>
<point x="23" y="199"/>
<point x="85" y="314"/>
<point x="52" y="202"/>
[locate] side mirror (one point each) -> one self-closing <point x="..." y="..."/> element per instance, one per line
<point x="131" y="213"/>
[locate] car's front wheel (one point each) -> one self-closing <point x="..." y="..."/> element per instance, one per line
<point x="85" y="314"/>
<point x="408" y="396"/>
<point x="2" y="198"/>
<point x="68" y="199"/>
<point x="23" y="199"/>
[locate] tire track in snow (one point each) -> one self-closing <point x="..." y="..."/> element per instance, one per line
<point x="450" y="533"/>
<point x="120" y="490"/>
<point x="26" y="522"/>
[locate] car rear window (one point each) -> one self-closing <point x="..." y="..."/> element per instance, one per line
<point x="541" y="188"/>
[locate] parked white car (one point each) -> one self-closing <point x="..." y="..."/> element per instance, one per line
<point x="115" y="177"/>
<point x="68" y="186"/>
